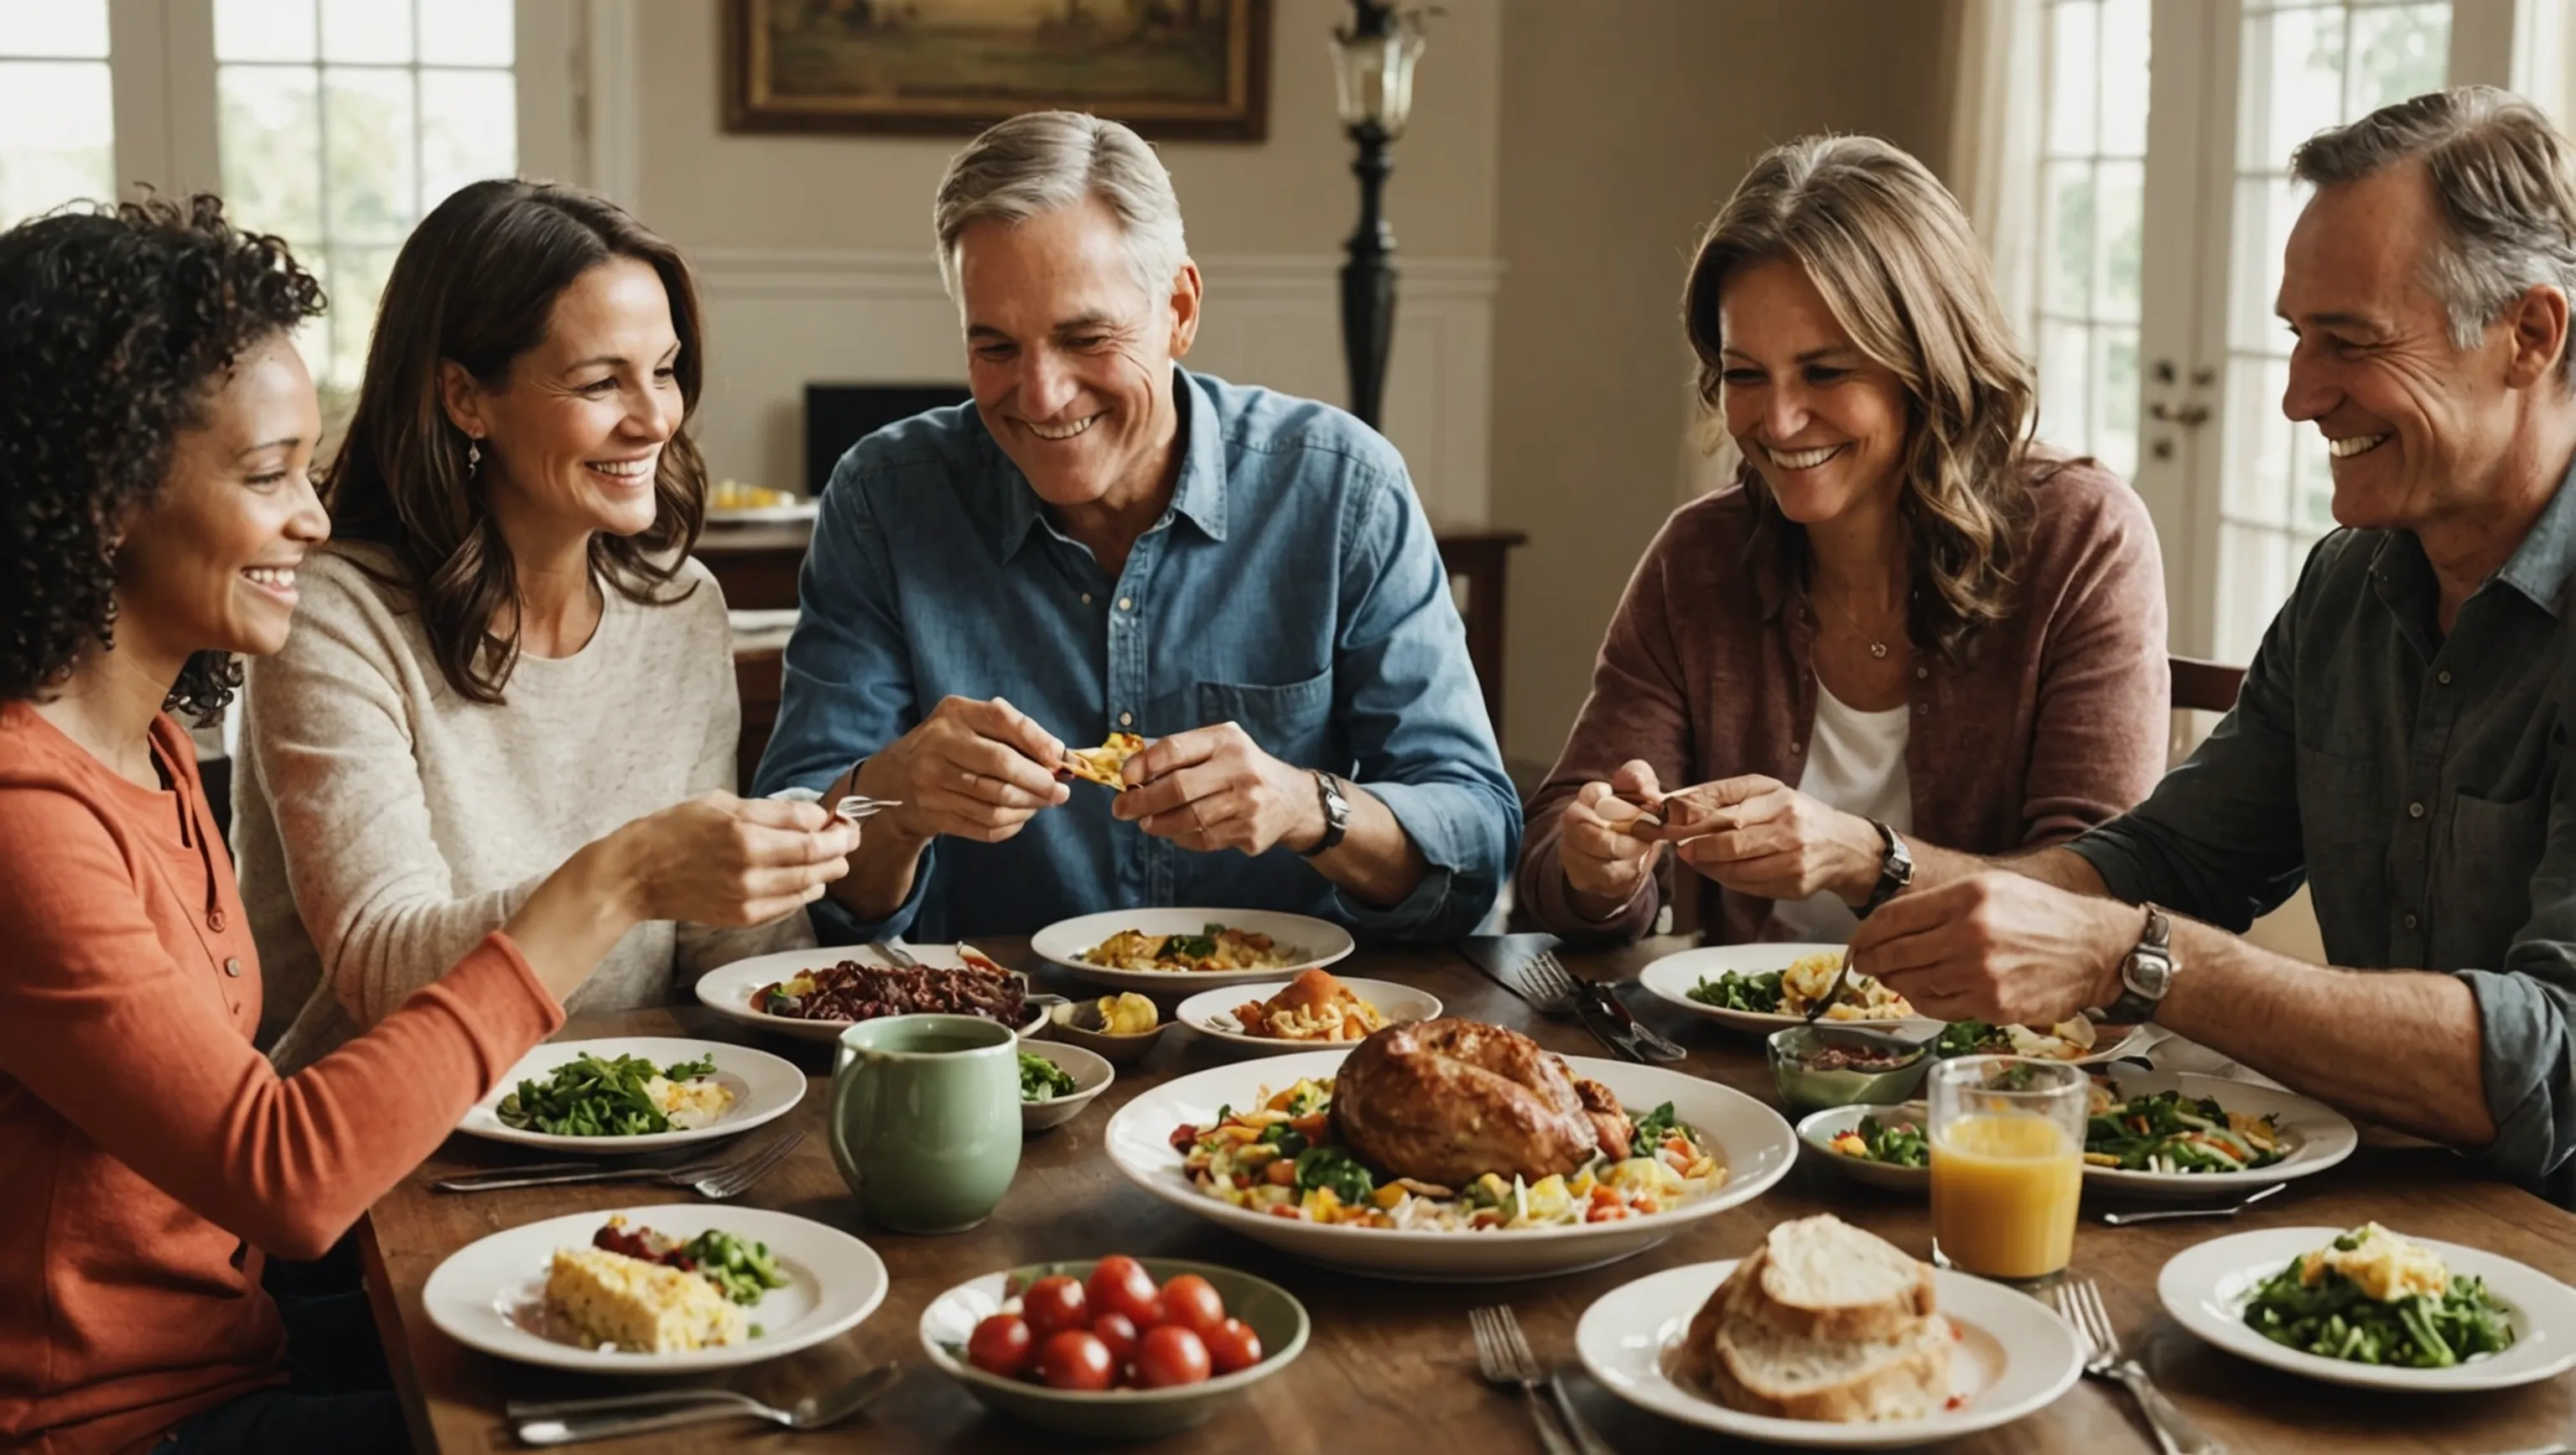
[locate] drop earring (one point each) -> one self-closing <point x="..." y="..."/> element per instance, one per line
<point x="473" y="457"/>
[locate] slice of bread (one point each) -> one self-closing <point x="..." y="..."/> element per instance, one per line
<point x="1821" y="1278"/>
<point x="1762" y="1371"/>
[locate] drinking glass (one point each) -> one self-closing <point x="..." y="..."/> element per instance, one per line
<point x="2007" y="1165"/>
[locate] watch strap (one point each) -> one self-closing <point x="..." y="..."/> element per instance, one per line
<point x="1895" y="870"/>
<point x="2146" y="972"/>
<point x="1337" y="812"/>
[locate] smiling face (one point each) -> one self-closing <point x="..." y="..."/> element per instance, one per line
<point x="571" y="437"/>
<point x="210" y="564"/>
<point x="1069" y="360"/>
<point x="1823" y="424"/>
<point x="2414" y="424"/>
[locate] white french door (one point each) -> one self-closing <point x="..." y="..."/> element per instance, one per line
<point x="2163" y="206"/>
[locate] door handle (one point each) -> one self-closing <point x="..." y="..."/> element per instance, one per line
<point x="2187" y="416"/>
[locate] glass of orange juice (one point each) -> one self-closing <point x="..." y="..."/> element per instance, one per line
<point x="2007" y="1165"/>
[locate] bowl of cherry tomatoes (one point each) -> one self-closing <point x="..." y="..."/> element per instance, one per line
<point x="1130" y="1347"/>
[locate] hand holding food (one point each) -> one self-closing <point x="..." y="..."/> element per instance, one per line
<point x="977" y="770"/>
<point x="1604" y="844"/>
<point x="1113" y="1330"/>
<point x="1761" y="837"/>
<point x="720" y="860"/>
<point x="1213" y="788"/>
<point x="1998" y="947"/>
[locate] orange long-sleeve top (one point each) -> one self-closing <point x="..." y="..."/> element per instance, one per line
<point x="151" y="1158"/>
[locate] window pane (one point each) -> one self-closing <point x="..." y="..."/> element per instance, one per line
<point x="271" y="141"/>
<point x="2124" y="78"/>
<point x="468" y="130"/>
<point x="2120" y="192"/>
<point x="57" y="136"/>
<point x="359" y="278"/>
<point x="376" y="31"/>
<point x="2066" y="270"/>
<point x="2074" y="45"/>
<point x="2114" y="436"/>
<point x="2257" y="467"/>
<point x="74" y="29"/>
<point x="2064" y="402"/>
<point x="2397" y="54"/>
<point x="2293" y="70"/>
<point x="467" y="33"/>
<point x="373" y="183"/>
<point x="264" y="30"/>
<point x="2266" y="207"/>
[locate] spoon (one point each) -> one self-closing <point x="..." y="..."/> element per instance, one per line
<point x="566" y="1422"/>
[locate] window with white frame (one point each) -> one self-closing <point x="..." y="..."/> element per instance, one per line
<point x="343" y="122"/>
<point x="57" y="111"/>
<point x="2092" y="206"/>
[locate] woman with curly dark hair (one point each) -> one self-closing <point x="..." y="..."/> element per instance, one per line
<point x="506" y="653"/>
<point x="1905" y="616"/>
<point x="156" y="428"/>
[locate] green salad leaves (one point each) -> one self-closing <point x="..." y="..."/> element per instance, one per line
<point x="1043" y="1080"/>
<point x="2336" y="1318"/>
<point x="589" y="1097"/>
<point x="1735" y="990"/>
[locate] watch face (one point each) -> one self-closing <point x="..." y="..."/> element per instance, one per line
<point x="2148" y="975"/>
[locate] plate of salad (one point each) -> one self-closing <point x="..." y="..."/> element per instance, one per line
<point x="1763" y="987"/>
<point x="1880" y="1146"/>
<point x="2372" y="1308"/>
<point x="1057" y="1081"/>
<point x="634" y="1094"/>
<point x="2078" y="1042"/>
<point x="2163" y="1134"/>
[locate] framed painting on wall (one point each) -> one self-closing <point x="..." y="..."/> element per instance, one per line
<point x="1190" y="70"/>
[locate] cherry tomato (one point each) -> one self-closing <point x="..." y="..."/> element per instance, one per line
<point x="1000" y="1345"/>
<point x="1233" y="1346"/>
<point x="1075" y="1359"/>
<point x="1054" y="1304"/>
<point x="1190" y="1302"/>
<point x="1169" y="1355"/>
<point x="1118" y="1332"/>
<point x="1120" y="1285"/>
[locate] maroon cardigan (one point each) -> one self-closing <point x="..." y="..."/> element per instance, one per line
<point x="2060" y="721"/>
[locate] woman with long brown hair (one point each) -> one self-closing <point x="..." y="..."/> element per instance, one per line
<point x="506" y="654"/>
<point x="1904" y="616"/>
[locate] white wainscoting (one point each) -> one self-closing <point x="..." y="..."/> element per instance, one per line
<point x="779" y="319"/>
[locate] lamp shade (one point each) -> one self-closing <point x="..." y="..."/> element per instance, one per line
<point x="1373" y="68"/>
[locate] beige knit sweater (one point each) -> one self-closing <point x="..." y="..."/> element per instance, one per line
<point x="383" y="825"/>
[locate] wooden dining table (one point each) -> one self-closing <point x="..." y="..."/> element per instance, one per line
<point x="1391" y="1365"/>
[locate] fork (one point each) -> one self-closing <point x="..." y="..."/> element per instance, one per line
<point x="565" y="1422"/>
<point x="1561" y="987"/>
<point x="1504" y="1358"/>
<point x="728" y="1174"/>
<point x="1833" y="992"/>
<point x="2080" y="1301"/>
<point x="859" y="806"/>
<point x="895" y="955"/>
<point x="2124" y="1219"/>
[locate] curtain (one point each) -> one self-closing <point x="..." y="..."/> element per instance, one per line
<point x="1997" y="86"/>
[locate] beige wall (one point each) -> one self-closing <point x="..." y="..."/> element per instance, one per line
<point x="1291" y="194"/>
<point x="1625" y="124"/>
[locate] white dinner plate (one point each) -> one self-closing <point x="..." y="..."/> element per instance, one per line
<point x="1756" y="1146"/>
<point x="794" y="510"/>
<point x="490" y="1294"/>
<point x="1211" y="1012"/>
<point x="727" y="989"/>
<point x="1318" y="942"/>
<point x="2318" y="1137"/>
<point x="2014" y="1357"/>
<point x="2207" y="1287"/>
<point x="1819" y="1129"/>
<point x="764" y="1088"/>
<point x="1670" y="979"/>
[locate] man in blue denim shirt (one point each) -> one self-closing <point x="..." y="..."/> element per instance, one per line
<point x="2401" y="739"/>
<point x="1103" y="542"/>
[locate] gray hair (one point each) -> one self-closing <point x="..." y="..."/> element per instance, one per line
<point x="1044" y="161"/>
<point x="2499" y="172"/>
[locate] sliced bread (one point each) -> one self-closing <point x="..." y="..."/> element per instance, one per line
<point x="1821" y="1278"/>
<point x="1762" y="1371"/>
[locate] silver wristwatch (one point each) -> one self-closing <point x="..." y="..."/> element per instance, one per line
<point x="2145" y="974"/>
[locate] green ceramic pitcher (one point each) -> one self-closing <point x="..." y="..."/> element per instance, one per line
<point x="925" y="1119"/>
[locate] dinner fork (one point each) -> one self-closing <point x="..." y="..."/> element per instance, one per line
<point x="728" y="1174"/>
<point x="1834" y="992"/>
<point x="2124" y="1219"/>
<point x="1504" y="1358"/>
<point x="2080" y="1301"/>
<point x="895" y="955"/>
<point x="859" y="806"/>
<point x="1561" y="986"/>
<point x="565" y="1422"/>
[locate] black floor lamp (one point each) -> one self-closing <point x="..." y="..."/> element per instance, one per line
<point x="1373" y="64"/>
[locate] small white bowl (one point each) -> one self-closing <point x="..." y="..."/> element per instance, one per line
<point x="1211" y="1013"/>
<point x="1091" y="1073"/>
<point x="1819" y="1130"/>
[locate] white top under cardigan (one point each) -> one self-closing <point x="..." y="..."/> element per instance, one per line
<point x="1856" y="763"/>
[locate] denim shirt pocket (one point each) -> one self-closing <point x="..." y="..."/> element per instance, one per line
<point x="2494" y="850"/>
<point x="1292" y="722"/>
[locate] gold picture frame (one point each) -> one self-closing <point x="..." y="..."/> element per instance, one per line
<point x="1176" y="70"/>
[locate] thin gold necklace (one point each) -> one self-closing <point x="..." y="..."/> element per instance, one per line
<point x="1877" y="648"/>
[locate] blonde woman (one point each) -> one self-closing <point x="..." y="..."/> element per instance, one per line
<point x="1903" y="617"/>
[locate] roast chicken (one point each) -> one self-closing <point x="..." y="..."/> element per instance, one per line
<point x="1446" y="1101"/>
